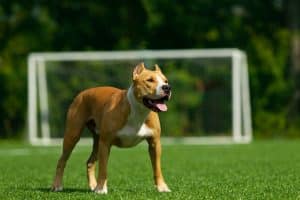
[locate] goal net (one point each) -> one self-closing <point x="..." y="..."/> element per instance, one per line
<point x="210" y="101"/>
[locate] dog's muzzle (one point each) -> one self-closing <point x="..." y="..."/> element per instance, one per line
<point x="166" y="89"/>
<point x="157" y="105"/>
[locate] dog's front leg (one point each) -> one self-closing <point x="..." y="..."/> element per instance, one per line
<point x="155" y="154"/>
<point x="104" y="150"/>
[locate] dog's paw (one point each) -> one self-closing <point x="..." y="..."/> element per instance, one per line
<point x="56" y="188"/>
<point x="163" y="188"/>
<point x="93" y="185"/>
<point x="101" y="191"/>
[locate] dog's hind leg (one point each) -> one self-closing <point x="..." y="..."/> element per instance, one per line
<point x="71" y="137"/>
<point x="91" y="162"/>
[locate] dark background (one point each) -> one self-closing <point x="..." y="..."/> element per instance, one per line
<point x="268" y="31"/>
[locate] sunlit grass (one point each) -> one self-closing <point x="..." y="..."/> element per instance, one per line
<point x="262" y="170"/>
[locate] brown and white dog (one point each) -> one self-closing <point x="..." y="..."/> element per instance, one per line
<point x="117" y="117"/>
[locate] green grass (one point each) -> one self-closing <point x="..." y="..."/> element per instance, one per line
<point x="262" y="170"/>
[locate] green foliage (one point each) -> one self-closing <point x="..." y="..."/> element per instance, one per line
<point x="271" y="84"/>
<point x="200" y="104"/>
<point x="28" y="26"/>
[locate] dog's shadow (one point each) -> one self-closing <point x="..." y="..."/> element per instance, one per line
<point x="78" y="190"/>
<point x="65" y="190"/>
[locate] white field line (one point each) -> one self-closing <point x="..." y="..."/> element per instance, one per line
<point x="29" y="151"/>
<point x="219" y="140"/>
<point x="43" y="149"/>
<point x="15" y="152"/>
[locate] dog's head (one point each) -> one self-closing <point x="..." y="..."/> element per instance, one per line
<point x="151" y="88"/>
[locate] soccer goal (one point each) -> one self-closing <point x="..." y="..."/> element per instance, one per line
<point x="210" y="102"/>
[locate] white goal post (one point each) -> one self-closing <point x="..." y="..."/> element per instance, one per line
<point x="38" y="108"/>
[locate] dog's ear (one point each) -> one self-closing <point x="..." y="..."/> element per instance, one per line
<point x="138" y="70"/>
<point x="157" y="68"/>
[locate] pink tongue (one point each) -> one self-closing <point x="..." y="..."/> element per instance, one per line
<point x="162" y="106"/>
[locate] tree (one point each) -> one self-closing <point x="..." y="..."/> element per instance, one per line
<point x="293" y="12"/>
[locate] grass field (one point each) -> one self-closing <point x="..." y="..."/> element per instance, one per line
<point x="261" y="170"/>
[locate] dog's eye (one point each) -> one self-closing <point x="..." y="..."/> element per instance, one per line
<point x="150" y="80"/>
<point x="166" y="81"/>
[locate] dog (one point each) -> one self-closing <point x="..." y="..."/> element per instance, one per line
<point x="117" y="117"/>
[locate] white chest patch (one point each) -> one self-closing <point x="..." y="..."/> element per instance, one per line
<point x="131" y="136"/>
<point x="135" y="129"/>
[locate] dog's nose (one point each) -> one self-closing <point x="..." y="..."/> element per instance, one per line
<point x="166" y="88"/>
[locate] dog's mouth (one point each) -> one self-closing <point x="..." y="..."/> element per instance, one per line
<point x="156" y="105"/>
